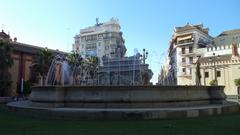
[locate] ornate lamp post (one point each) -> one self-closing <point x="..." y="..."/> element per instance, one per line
<point x="145" y="55"/>
<point x="214" y="59"/>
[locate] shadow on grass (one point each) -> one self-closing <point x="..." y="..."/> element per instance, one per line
<point x="220" y="125"/>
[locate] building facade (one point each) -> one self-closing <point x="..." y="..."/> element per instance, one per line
<point x="221" y="62"/>
<point x="227" y="37"/>
<point x="102" y="39"/>
<point x="22" y="55"/>
<point x="223" y="67"/>
<point x="183" y="51"/>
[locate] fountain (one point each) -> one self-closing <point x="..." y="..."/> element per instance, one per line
<point x="72" y="90"/>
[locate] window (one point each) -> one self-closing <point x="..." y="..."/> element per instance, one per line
<point x="183" y="50"/>
<point x="183" y="60"/>
<point x="206" y="74"/>
<point x="218" y="73"/>
<point x="184" y="70"/>
<point x="190" y="70"/>
<point x="191" y="60"/>
<point x="190" y="49"/>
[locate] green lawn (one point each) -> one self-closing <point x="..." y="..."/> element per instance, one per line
<point x="11" y="124"/>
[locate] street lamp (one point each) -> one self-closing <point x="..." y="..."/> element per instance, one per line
<point x="145" y="55"/>
<point x="97" y="72"/>
<point x="214" y="59"/>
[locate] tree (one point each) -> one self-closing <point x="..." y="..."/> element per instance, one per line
<point x="213" y="83"/>
<point x="93" y="64"/>
<point x="6" y="62"/>
<point x="93" y="61"/>
<point x="74" y="59"/>
<point x="41" y="63"/>
<point x="237" y="82"/>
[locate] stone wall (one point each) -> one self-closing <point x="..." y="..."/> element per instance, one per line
<point x="126" y="96"/>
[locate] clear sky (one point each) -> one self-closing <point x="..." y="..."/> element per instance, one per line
<point x="145" y="23"/>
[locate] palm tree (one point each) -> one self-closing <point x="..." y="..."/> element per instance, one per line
<point x="6" y="62"/>
<point x="92" y="60"/>
<point x="93" y="64"/>
<point x="41" y="63"/>
<point x="73" y="59"/>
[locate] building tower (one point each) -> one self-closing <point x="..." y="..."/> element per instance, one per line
<point x="102" y="39"/>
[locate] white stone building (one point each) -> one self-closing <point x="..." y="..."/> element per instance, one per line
<point x="102" y="39"/>
<point x="184" y="49"/>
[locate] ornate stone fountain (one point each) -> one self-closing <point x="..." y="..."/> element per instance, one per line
<point x="72" y="90"/>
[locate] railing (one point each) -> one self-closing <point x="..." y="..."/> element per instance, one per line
<point x="184" y="43"/>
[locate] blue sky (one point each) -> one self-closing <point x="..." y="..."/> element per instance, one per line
<point x="145" y="23"/>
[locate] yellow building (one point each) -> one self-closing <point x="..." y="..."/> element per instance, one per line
<point x="224" y="68"/>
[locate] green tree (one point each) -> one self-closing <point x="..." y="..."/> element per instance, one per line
<point x="41" y="63"/>
<point x="213" y="83"/>
<point x="73" y="59"/>
<point x="93" y="61"/>
<point x="237" y="82"/>
<point x="93" y="65"/>
<point x="6" y="62"/>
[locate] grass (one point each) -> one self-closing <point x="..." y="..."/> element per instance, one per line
<point x="11" y="124"/>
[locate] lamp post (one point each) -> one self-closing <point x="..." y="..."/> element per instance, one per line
<point x="97" y="72"/>
<point x="214" y="59"/>
<point x="145" y="55"/>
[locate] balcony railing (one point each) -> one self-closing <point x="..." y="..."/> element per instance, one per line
<point x="184" y="43"/>
<point x="184" y="75"/>
<point x="185" y="64"/>
<point x="188" y="52"/>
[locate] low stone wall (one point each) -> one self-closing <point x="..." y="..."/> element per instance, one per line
<point x="4" y="100"/>
<point x="126" y="96"/>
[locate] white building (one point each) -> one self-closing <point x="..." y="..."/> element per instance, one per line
<point x="184" y="49"/>
<point x="102" y="39"/>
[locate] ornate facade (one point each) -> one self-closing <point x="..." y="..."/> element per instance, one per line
<point x="102" y="39"/>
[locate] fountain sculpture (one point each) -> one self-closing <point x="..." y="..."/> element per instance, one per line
<point x="117" y="89"/>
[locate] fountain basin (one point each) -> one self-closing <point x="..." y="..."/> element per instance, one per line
<point x="124" y="102"/>
<point x="126" y="96"/>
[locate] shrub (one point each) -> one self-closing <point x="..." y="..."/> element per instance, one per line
<point x="4" y="85"/>
<point x="213" y="83"/>
<point x="237" y="82"/>
<point x="26" y="88"/>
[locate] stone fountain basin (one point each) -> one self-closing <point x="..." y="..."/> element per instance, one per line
<point x="126" y="96"/>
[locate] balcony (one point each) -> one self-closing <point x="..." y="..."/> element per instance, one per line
<point x="184" y="43"/>
<point x="187" y="52"/>
<point x="185" y="64"/>
<point x="184" y="75"/>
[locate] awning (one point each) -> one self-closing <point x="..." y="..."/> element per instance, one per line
<point x="184" y="38"/>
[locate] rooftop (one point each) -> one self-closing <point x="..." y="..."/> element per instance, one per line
<point x="192" y="27"/>
<point x="31" y="49"/>
<point x="112" y="25"/>
<point x="229" y="32"/>
<point x="226" y="57"/>
<point x="4" y="35"/>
